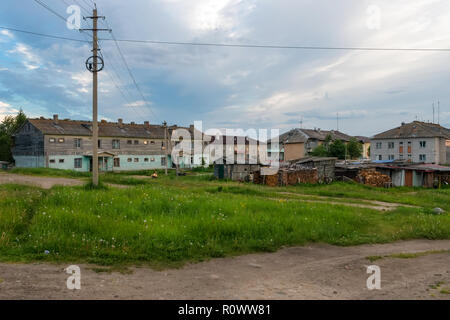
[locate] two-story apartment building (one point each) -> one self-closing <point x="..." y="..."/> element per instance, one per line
<point x="67" y="144"/>
<point x="416" y="142"/>
<point x="298" y="143"/>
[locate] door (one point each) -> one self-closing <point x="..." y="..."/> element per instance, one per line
<point x="408" y="178"/>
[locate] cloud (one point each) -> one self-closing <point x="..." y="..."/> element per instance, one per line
<point x="6" y="110"/>
<point x="243" y="87"/>
<point x="31" y="60"/>
<point x="6" y="33"/>
<point x="136" y="104"/>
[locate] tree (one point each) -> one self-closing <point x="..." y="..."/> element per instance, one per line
<point x="320" y="151"/>
<point x="354" y="148"/>
<point x="337" y="149"/>
<point x="8" y="127"/>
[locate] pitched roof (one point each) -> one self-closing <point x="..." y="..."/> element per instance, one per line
<point x="292" y="136"/>
<point x="303" y="135"/>
<point x="363" y="139"/>
<point x="105" y="129"/>
<point x="415" y="129"/>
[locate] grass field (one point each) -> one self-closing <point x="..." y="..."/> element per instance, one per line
<point x="172" y="220"/>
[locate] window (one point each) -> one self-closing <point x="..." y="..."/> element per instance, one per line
<point x="380" y="157"/>
<point x="145" y="159"/>
<point x="129" y="141"/>
<point x="130" y="160"/>
<point x="162" y="146"/>
<point x="391" y="145"/>
<point x="52" y="140"/>
<point x="61" y="160"/>
<point x="136" y="159"/>
<point x="136" y="141"/>
<point x="52" y="160"/>
<point x="117" y="162"/>
<point x="192" y="160"/>
<point x="99" y="144"/>
<point x="163" y="161"/>
<point x="77" y="142"/>
<point x="152" y="159"/>
<point x="78" y="163"/>
<point x="423" y="144"/>
<point x="422" y="157"/>
<point x="391" y="157"/>
<point x="378" y="145"/>
<point x="145" y="142"/>
<point x="116" y="144"/>
<point x="152" y="142"/>
<point x="60" y="140"/>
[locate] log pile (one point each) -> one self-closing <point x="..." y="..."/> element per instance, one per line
<point x="272" y="180"/>
<point x="373" y="178"/>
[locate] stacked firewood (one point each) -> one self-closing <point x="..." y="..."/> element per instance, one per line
<point x="373" y="178"/>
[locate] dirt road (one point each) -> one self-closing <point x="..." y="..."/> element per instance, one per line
<point x="312" y="272"/>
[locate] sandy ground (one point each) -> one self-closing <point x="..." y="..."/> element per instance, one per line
<point x="312" y="272"/>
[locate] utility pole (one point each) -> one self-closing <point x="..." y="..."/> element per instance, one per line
<point x="95" y="64"/>
<point x="166" y="144"/>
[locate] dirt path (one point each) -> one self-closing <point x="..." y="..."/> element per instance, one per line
<point x="361" y="203"/>
<point x="41" y="182"/>
<point x="312" y="272"/>
<point x="47" y="182"/>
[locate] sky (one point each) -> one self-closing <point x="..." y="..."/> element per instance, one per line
<point x="370" y="91"/>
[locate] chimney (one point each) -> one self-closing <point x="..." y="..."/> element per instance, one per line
<point x="55" y="119"/>
<point x="191" y="127"/>
<point x="132" y="123"/>
<point x="147" y="123"/>
<point x="120" y="122"/>
<point x="103" y="121"/>
<point x="403" y="123"/>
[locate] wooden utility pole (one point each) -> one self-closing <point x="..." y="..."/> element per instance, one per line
<point x="95" y="101"/>
<point x="166" y="144"/>
<point x="93" y="65"/>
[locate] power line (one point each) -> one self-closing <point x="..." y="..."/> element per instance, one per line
<point x="43" y="34"/>
<point x="129" y="71"/>
<point x="278" y="46"/>
<point x="41" y="3"/>
<point x="234" y="45"/>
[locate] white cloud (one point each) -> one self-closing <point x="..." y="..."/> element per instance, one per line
<point x="6" y="110"/>
<point x="139" y="103"/>
<point x="31" y="61"/>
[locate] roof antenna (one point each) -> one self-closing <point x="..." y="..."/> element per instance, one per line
<point x="439" y="110"/>
<point x="337" y="121"/>
<point x="433" y="112"/>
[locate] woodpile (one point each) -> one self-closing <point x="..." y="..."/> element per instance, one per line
<point x="373" y="178"/>
<point x="272" y="180"/>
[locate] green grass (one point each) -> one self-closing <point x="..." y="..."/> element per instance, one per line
<point x="50" y="172"/>
<point x="169" y="221"/>
<point x="407" y="255"/>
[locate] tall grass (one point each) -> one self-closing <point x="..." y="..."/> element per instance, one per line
<point x="169" y="221"/>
